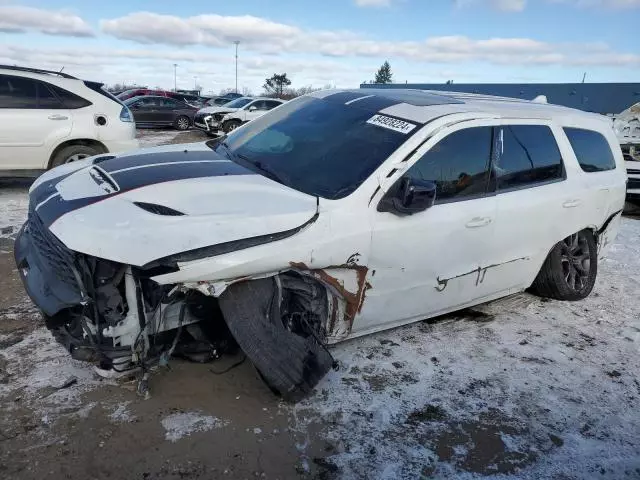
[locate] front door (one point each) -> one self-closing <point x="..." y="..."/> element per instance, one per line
<point x="433" y="261"/>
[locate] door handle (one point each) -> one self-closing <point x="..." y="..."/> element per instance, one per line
<point x="58" y="117"/>
<point x="478" y="222"/>
<point x="571" y="203"/>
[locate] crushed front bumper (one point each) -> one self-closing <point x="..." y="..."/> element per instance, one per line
<point x="47" y="268"/>
<point x="206" y="123"/>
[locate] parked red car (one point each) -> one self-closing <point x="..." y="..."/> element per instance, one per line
<point x="137" y="92"/>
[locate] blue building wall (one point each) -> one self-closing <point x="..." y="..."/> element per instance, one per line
<point x="592" y="97"/>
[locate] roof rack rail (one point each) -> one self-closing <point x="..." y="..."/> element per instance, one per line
<point x="36" y="70"/>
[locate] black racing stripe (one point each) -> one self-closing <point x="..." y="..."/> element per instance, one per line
<point x="45" y="190"/>
<point x="128" y="161"/>
<point x="141" y="177"/>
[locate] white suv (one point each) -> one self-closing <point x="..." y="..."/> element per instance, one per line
<point x="338" y="214"/>
<point x="50" y="118"/>
<point x="230" y="116"/>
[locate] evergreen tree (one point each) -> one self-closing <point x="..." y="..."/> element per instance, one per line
<point x="384" y="75"/>
<point x="275" y="85"/>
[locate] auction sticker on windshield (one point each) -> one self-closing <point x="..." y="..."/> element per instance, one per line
<point x="391" y="123"/>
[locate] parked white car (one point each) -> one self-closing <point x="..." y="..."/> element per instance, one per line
<point x="225" y="119"/>
<point x="51" y="118"/>
<point x="339" y="214"/>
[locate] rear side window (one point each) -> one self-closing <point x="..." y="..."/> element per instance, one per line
<point x="592" y="150"/>
<point x="458" y="164"/>
<point x="47" y="99"/>
<point x="527" y="155"/>
<point x="169" y="103"/>
<point x="18" y="92"/>
<point x="69" y="100"/>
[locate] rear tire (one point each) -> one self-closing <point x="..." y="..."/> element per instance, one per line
<point x="73" y="153"/>
<point x="569" y="271"/>
<point x="182" y="123"/>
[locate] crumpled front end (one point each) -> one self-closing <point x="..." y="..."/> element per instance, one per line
<point x="120" y="318"/>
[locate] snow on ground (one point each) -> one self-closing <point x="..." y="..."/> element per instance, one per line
<point x="151" y="138"/>
<point x="45" y="376"/>
<point x="541" y="389"/>
<point x="179" y="425"/>
<point x="14" y="205"/>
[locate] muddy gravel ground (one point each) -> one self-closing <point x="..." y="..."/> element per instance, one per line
<point x="521" y="388"/>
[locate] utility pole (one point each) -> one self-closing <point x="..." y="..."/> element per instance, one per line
<point x="175" y="83"/>
<point x="237" y="42"/>
<point x="195" y="78"/>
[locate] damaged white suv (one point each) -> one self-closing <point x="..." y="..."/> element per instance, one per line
<point x="338" y="214"/>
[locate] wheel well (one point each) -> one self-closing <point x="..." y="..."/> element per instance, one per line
<point x="81" y="141"/>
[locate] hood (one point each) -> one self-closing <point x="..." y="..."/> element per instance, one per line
<point x="136" y="208"/>
<point x="210" y="110"/>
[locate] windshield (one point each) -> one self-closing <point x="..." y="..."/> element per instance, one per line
<point x="238" y="103"/>
<point x="317" y="146"/>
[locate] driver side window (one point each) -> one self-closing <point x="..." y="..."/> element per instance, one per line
<point x="459" y="165"/>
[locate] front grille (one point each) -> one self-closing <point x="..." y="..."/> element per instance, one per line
<point x="633" y="183"/>
<point x="58" y="257"/>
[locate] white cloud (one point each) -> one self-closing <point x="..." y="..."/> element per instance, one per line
<point x="373" y="3"/>
<point x="16" y="18"/>
<point x="264" y="36"/>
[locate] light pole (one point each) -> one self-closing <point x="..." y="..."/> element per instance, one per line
<point x="175" y="83"/>
<point x="195" y="78"/>
<point x="237" y="42"/>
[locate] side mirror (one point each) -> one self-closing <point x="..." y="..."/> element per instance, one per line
<point x="253" y="108"/>
<point x="409" y="196"/>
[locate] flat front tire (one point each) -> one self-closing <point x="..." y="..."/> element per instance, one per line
<point x="569" y="271"/>
<point x="230" y="125"/>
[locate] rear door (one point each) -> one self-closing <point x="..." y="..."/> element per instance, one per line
<point x="167" y="110"/>
<point x="145" y="110"/>
<point x="33" y="120"/>
<point x="537" y="204"/>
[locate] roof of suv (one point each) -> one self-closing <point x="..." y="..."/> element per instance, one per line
<point x="425" y="105"/>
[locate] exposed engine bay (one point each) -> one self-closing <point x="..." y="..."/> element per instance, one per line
<point x="120" y="319"/>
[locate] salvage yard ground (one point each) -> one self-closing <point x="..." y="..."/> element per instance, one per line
<point x="522" y="388"/>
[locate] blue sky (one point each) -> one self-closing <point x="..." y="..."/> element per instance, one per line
<point x="337" y="42"/>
